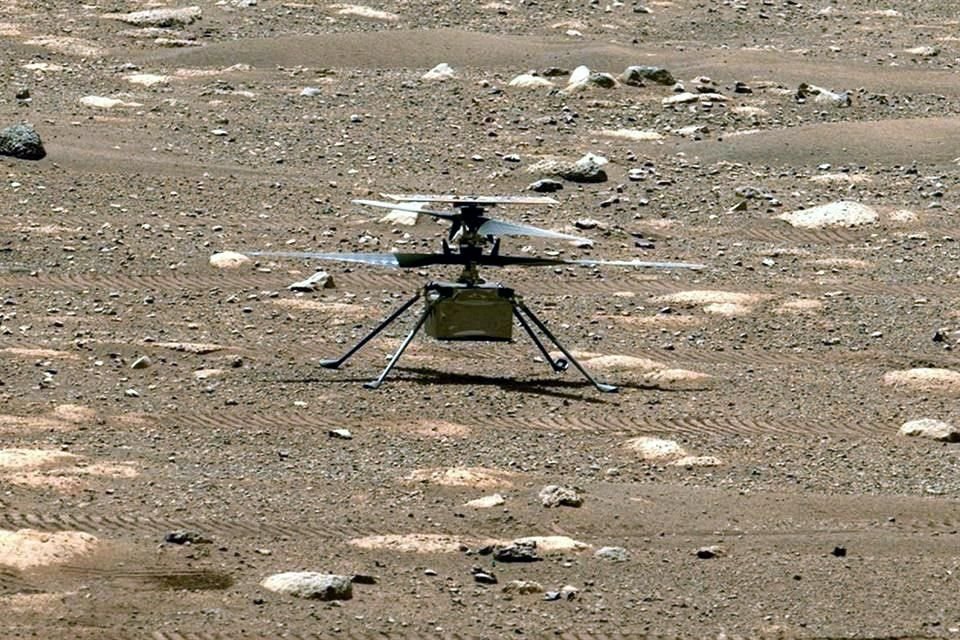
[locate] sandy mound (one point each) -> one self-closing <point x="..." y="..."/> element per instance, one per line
<point x="419" y="542"/>
<point x="924" y="379"/>
<point x="28" y="548"/>
<point x="841" y="263"/>
<point x="727" y="308"/>
<point x="656" y="320"/>
<point x="842" y="178"/>
<point x="621" y="363"/>
<point x="74" y="413"/>
<point x="712" y="297"/>
<point x="799" y="306"/>
<point x="726" y="303"/>
<point x="440" y="543"/>
<point x="58" y="470"/>
<point x="23" y="459"/>
<point x="13" y="423"/>
<point x="441" y="429"/>
<point x="477" y="477"/>
<point x="47" y="354"/>
<point x="678" y="379"/>
<point x="43" y="603"/>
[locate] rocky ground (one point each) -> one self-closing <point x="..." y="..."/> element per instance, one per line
<point x="169" y="444"/>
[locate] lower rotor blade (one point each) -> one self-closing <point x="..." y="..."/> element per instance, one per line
<point x="640" y="263"/>
<point x="495" y="227"/>
<point x="412" y="260"/>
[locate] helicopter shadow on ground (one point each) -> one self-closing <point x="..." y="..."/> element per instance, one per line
<point x="562" y="389"/>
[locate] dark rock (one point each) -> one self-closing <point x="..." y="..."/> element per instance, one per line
<point x="839" y="552"/>
<point x="483" y="577"/>
<point x="517" y="552"/>
<point x="705" y="553"/>
<point x="21" y="141"/>
<point x="182" y="536"/>
<point x="546" y="186"/>
<point x="635" y="75"/>
<point x="603" y="80"/>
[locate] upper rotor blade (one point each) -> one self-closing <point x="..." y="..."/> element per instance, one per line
<point x="494" y="227"/>
<point x="461" y="200"/>
<point x="402" y="260"/>
<point x="413" y="208"/>
<point x="504" y="261"/>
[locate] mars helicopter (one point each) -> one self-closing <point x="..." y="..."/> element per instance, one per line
<point x="469" y="309"/>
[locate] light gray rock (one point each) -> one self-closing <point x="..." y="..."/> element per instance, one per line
<point x="924" y="51"/>
<point x="842" y="213"/>
<point x="687" y="97"/>
<point x="529" y="81"/>
<point x="142" y="362"/>
<point x="441" y="72"/>
<point x="229" y="260"/>
<point x="21" y="141"/>
<point x="163" y="17"/>
<point x="587" y="169"/>
<point x="579" y="75"/>
<point x="319" y="280"/>
<point x="931" y="428"/>
<point x="312" y="585"/>
<point x="557" y="496"/>
<point x="821" y="95"/>
<point x="614" y="554"/>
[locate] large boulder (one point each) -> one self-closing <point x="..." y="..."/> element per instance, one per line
<point x="21" y="141"/>
<point x="587" y="169"/>
<point x="308" y="584"/>
<point x="930" y="428"/>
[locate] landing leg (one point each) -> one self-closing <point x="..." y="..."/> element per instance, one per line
<point x="518" y="307"/>
<point x="335" y="364"/>
<point x="373" y="384"/>
<point x="557" y="365"/>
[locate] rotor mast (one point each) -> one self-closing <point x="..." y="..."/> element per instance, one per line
<point x="471" y="242"/>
